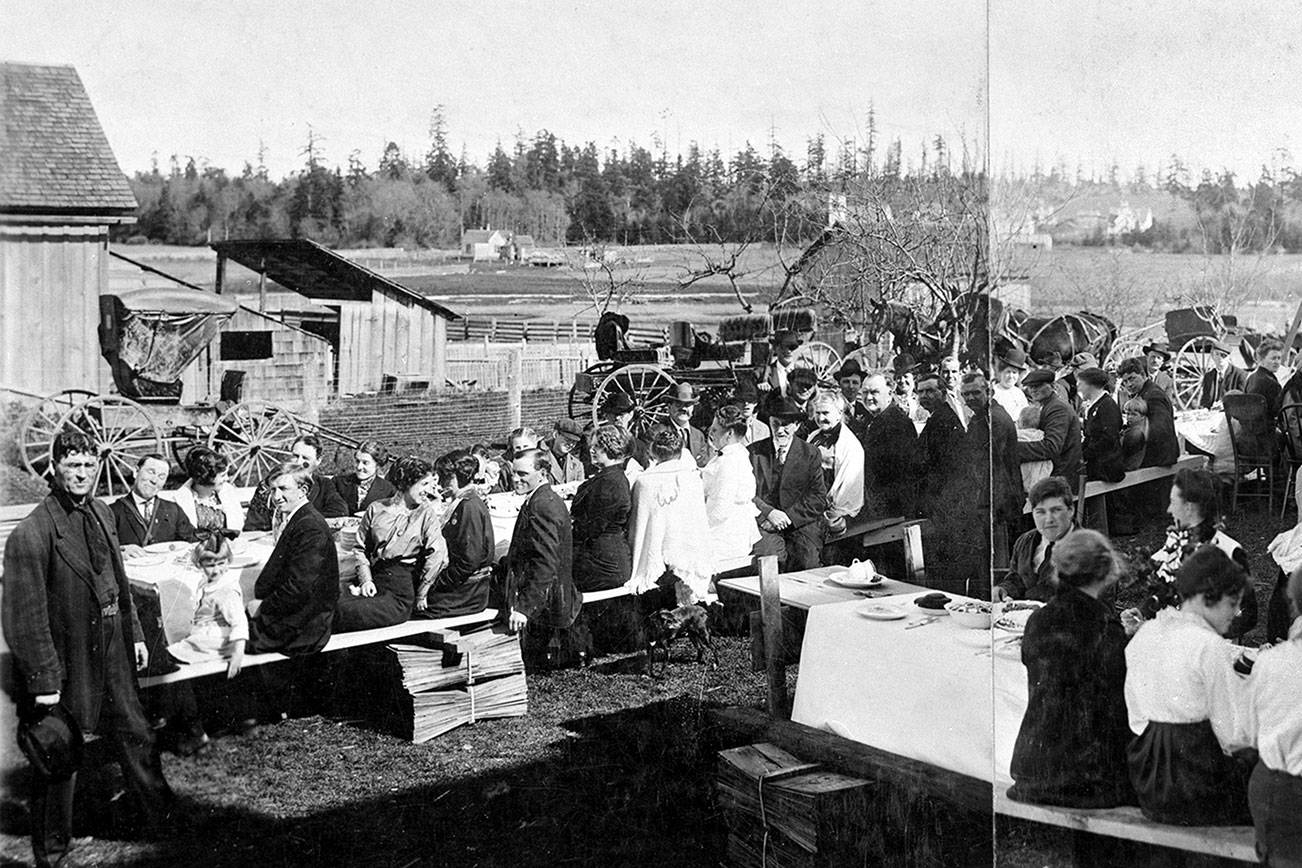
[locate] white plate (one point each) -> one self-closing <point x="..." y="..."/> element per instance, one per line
<point x="881" y="611"/>
<point x="255" y="535"/>
<point x="845" y="581"/>
<point x="166" y="547"/>
<point x="146" y="560"/>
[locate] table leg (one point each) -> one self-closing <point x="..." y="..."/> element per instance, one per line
<point x="914" y="563"/>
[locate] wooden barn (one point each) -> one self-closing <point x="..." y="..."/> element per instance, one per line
<point x="383" y="333"/>
<point x="60" y="190"/>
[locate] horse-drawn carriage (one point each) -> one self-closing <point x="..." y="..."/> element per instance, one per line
<point x="713" y="366"/>
<point x="148" y="337"/>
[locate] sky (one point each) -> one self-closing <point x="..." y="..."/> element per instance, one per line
<point x="1087" y="82"/>
<point x="213" y="80"/>
<point x="1095" y="81"/>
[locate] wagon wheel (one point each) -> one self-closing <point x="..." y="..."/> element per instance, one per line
<point x="1124" y="348"/>
<point x="865" y="356"/>
<point x="649" y="388"/>
<point x="584" y="389"/>
<point x="40" y="426"/>
<point x="256" y="437"/>
<point x="123" y="432"/>
<point x="1192" y="363"/>
<point x="819" y="356"/>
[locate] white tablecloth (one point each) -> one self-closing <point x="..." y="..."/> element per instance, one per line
<point x="1207" y="431"/>
<point x="927" y="693"/>
<point x="177" y="580"/>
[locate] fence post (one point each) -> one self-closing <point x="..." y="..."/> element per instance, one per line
<point x="514" y="392"/>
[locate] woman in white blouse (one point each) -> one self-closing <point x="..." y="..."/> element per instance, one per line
<point x="1274" y="725"/>
<point x="398" y="539"/>
<point x="1186" y="703"/>
<point x="729" y="485"/>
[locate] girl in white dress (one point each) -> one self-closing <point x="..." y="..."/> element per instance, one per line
<point x="219" y="626"/>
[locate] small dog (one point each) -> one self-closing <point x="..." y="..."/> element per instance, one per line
<point x="666" y="625"/>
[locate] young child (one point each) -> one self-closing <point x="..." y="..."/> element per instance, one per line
<point x="220" y="626"/>
<point x="1028" y="432"/>
<point x="1134" y="433"/>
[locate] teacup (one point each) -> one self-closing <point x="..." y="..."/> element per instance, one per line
<point x="861" y="571"/>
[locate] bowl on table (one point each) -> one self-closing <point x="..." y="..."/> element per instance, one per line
<point x="1012" y="616"/>
<point x="970" y="613"/>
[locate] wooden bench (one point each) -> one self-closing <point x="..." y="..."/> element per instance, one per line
<point x="1094" y="502"/>
<point x="338" y="642"/>
<point x="1231" y="842"/>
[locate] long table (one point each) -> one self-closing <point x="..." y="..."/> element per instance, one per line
<point x="809" y="588"/>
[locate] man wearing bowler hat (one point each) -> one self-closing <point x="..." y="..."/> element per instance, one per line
<point x="790" y="491"/>
<point x="76" y="642"/>
<point x="849" y="378"/>
<point x="785" y="344"/>
<point x="1225" y="377"/>
<point x="747" y="397"/>
<point x="682" y="402"/>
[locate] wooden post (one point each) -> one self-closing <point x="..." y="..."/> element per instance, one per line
<point x="514" y="392"/>
<point x="771" y="618"/>
<point x="1292" y="331"/>
<point x="262" y="286"/>
<point x="218" y="282"/>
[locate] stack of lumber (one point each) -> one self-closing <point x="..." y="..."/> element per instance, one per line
<point x="461" y="678"/>
<point x="781" y="811"/>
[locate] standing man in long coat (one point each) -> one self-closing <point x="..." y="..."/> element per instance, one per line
<point x="73" y="633"/>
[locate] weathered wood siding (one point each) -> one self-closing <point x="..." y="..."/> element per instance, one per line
<point x="389" y="335"/>
<point x="50" y="279"/>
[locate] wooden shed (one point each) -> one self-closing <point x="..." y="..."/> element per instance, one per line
<point x="60" y="190"/>
<point x="383" y="328"/>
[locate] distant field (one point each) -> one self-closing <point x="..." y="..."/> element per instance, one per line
<point x="1133" y="288"/>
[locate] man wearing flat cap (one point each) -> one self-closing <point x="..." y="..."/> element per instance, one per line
<point x="682" y="403"/>
<point x="1061" y="426"/>
<point x="790" y="491"/>
<point x="566" y="466"/>
<point x="1225" y="377"/>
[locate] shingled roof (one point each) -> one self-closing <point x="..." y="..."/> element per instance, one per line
<point x="56" y="158"/>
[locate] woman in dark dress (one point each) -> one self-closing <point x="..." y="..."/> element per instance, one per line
<point x="365" y="485"/>
<point x="398" y="539"/>
<point x="1187" y="705"/>
<point x="462" y="588"/>
<point x="1071" y="749"/>
<point x="602" y="557"/>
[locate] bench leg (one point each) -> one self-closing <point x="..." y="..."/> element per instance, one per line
<point x="914" y="563"/>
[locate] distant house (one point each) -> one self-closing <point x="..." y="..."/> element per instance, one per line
<point x="483" y="245"/>
<point x="522" y="247"/>
<point x="60" y="190"/>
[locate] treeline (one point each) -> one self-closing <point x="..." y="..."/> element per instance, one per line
<point x="1214" y="212"/>
<point x="543" y="186"/>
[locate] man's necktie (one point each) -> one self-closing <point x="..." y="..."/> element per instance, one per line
<point x="148" y="510"/>
<point x="1048" y="557"/>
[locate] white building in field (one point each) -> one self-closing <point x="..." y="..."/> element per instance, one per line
<point x="484" y="245"/>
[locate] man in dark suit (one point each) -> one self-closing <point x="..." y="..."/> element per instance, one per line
<point x="682" y="402"/>
<point x="1061" y="426"/>
<point x="539" y="595"/>
<point x="321" y="493"/>
<point x="142" y="517"/>
<point x="299" y="585"/>
<point x="1162" y="447"/>
<point x="992" y="443"/>
<point x="1101" y="448"/>
<point x="949" y="495"/>
<point x="850" y="379"/>
<point x="74" y="637"/>
<point x="1030" y="573"/>
<point x="1225" y="377"/>
<point x="1262" y="381"/>
<point x="790" y="491"/>
<point x="889" y="444"/>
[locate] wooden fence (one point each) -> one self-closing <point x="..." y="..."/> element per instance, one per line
<point x="543" y="365"/>
<point x="514" y="329"/>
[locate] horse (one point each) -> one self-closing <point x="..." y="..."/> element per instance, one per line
<point x="1066" y="334"/>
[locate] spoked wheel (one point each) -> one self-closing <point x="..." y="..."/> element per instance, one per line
<point x="649" y="388"/>
<point x="583" y="391"/>
<point x="1193" y="362"/>
<point x="1122" y="350"/>
<point x="819" y="356"/>
<point x="256" y="437"/>
<point x="123" y="433"/>
<point x="40" y="426"/>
